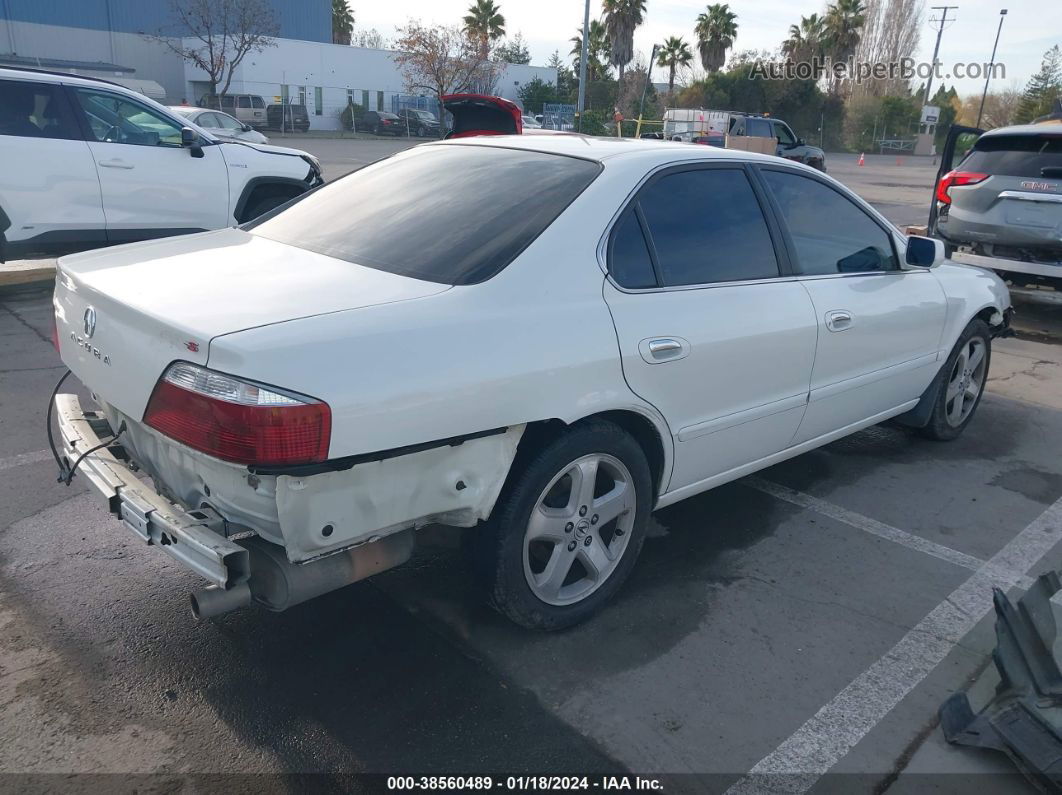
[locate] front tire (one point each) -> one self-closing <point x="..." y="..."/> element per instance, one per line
<point x="960" y="392"/>
<point x="568" y="527"/>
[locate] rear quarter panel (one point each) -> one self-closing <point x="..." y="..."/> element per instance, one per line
<point x="534" y="342"/>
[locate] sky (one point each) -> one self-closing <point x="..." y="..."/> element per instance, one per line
<point x="1030" y="27"/>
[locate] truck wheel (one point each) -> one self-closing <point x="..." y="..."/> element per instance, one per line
<point x="960" y="392"/>
<point x="567" y="528"/>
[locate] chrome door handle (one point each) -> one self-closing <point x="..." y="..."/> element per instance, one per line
<point x="660" y="348"/>
<point x="838" y="320"/>
<point x="116" y="164"/>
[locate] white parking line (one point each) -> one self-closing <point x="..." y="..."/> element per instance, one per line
<point x="796" y="764"/>
<point x="23" y="459"/>
<point x="872" y="526"/>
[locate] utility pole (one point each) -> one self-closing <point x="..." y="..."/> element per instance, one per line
<point x="991" y="66"/>
<point x="648" y="77"/>
<point x="582" y="64"/>
<point x="943" y="19"/>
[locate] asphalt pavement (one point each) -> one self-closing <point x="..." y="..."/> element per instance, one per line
<point x="805" y="621"/>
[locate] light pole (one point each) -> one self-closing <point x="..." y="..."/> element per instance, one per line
<point x="936" y="49"/>
<point x="991" y="66"/>
<point x="582" y="64"/>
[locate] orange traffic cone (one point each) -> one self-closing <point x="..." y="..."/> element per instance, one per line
<point x="860" y="158"/>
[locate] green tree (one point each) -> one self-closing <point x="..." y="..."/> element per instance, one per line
<point x="485" y="23"/>
<point x="1042" y="89"/>
<point x="806" y="41"/>
<point x="566" y="83"/>
<point x="621" y="19"/>
<point x="844" y="26"/>
<point x="672" y="55"/>
<point x="513" y="51"/>
<point x="342" y="22"/>
<point x="597" y="51"/>
<point x="716" y="30"/>
<point x="535" y="93"/>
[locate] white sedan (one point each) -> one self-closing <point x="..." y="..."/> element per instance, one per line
<point x="425" y="341"/>
<point x="220" y="125"/>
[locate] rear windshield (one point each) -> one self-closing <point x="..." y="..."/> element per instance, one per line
<point x="446" y="214"/>
<point x="1015" y="155"/>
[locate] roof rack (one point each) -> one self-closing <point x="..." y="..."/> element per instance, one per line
<point x="59" y="74"/>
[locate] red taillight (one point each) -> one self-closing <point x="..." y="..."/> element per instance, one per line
<point x="236" y="420"/>
<point x="955" y="178"/>
<point x="385" y="121"/>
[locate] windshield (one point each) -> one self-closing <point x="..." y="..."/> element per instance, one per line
<point x="446" y="214"/>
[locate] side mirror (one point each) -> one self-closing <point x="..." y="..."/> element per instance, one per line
<point x="801" y="142"/>
<point x="190" y="140"/>
<point x="247" y="128"/>
<point x="924" y="252"/>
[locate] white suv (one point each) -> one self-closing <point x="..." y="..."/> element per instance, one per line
<point x="90" y="163"/>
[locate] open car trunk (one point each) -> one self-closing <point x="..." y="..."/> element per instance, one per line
<point x="479" y="114"/>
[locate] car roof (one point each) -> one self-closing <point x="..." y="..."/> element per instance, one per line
<point x="47" y="76"/>
<point x="1043" y="128"/>
<point x="603" y="148"/>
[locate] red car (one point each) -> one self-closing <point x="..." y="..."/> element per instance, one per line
<point x="480" y="114"/>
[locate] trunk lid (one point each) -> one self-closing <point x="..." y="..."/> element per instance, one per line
<point x="479" y="114"/>
<point x="123" y="314"/>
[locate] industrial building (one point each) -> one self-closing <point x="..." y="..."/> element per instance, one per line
<point x="110" y="39"/>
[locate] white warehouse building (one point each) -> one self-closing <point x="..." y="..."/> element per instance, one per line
<point x="325" y="77"/>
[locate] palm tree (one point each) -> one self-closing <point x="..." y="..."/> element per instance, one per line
<point x="597" y="51"/>
<point x="716" y="30"/>
<point x="673" y="54"/>
<point x="621" y="18"/>
<point x="342" y="22"/>
<point x="806" y="40"/>
<point x="844" y="24"/>
<point x="485" y="23"/>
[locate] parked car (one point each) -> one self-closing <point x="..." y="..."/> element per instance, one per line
<point x="287" y="118"/>
<point x="547" y="368"/>
<point x="421" y="123"/>
<point x="789" y="145"/>
<point x="381" y="122"/>
<point x="482" y="114"/>
<point x="1004" y="199"/>
<point x="89" y="163"/>
<point x="710" y="138"/>
<point x="248" y="108"/>
<point x="220" y="125"/>
<point x="530" y="122"/>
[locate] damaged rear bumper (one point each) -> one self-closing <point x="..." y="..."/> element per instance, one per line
<point x="190" y="537"/>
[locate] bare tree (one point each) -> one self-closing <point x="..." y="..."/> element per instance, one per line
<point x="442" y="60"/>
<point x="890" y="33"/>
<point x="216" y="35"/>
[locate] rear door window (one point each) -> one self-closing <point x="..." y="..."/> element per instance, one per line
<point x="1015" y="155"/>
<point x="706" y="225"/>
<point x="35" y="110"/>
<point x="760" y="128"/>
<point x="243" y="102"/>
<point x="629" y="260"/>
<point x="446" y="214"/>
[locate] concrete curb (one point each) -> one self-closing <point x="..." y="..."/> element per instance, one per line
<point x="26" y="275"/>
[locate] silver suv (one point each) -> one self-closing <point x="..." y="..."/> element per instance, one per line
<point x="1004" y="199"/>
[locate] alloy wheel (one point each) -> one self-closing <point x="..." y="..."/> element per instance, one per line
<point x="964" y="385"/>
<point x="579" y="529"/>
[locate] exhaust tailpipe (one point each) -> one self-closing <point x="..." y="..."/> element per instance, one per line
<point x="214" y="601"/>
<point x="277" y="584"/>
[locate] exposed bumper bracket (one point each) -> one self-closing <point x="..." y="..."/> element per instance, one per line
<point x="188" y="536"/>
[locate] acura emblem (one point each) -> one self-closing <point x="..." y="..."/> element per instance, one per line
<point x="90" y="322"/>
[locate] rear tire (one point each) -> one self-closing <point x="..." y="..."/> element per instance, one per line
<point x="567" y="528"/>
<point x="960" y="391"/>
